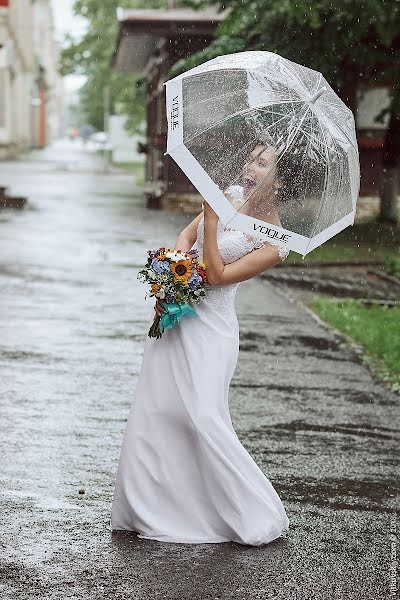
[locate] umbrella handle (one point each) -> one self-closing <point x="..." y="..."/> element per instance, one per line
<point x="317" y="95"/>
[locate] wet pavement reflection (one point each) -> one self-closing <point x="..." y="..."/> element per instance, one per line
<point x="73" y="321"/>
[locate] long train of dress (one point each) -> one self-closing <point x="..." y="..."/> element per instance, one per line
<point x="183" y="474"/>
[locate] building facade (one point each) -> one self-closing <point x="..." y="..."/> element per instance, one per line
<point x="48" y="86"/>
<point x="16" y="75"/>
<point x="29" y="83"/>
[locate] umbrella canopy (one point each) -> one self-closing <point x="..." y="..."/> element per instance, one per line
<point x="269" y="144"/>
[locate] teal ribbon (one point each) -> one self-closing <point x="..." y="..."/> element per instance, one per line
<point x="175" y="312"/>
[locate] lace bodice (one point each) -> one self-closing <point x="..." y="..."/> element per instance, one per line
<point x="232" y="244"/>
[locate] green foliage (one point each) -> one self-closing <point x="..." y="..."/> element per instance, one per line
<point x="392" y="264"/>
<point x="322" y="34"/>
<point x="91" y="56"/>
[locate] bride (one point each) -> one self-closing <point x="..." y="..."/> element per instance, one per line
<point x="183" y="474"/>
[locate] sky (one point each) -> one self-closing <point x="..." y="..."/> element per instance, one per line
<point x="66" y="22"/>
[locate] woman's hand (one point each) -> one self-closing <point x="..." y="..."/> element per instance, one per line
<point x="209" y="213"/>
<point x="159" y="308"/>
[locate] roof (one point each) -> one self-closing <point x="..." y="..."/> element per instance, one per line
<point x="140" y="31"/>
<point x="172" y="14"/>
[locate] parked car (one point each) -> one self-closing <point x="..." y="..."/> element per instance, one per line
<point x="99" y="141"/>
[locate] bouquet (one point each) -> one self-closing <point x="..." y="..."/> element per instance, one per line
<point x="176" y="278"/>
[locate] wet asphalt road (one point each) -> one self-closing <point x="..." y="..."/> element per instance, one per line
<point x="72" y="326"/>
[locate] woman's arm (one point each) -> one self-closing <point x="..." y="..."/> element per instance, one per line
<point x="252" y="264"/>
<point x="248" y="266"/>
<point x="211" y="255"/>
<point x="188" y="236"/>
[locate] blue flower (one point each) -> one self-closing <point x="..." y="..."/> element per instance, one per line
<point x="159" y="266"/>
<point x="195" y="279"/>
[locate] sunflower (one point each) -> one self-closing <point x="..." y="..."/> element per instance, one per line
<point x="182" y="270"/>
<point x="155" y="287"/>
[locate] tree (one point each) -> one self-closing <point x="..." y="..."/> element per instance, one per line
<point x="91" y="56"/>
<point x="352" y="42"/>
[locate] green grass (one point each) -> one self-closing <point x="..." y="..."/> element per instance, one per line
<point x="134" y="167"/>
<point x="376" y="328"/>
<point x="366" y="240"/>
<point x="392" y="265"/>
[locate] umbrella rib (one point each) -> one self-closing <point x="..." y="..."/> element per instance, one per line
<point x="323" y="194"/>
<point x="316" y="147"/>
<point x="284" y="70"/>
<point x="316" y="141"/>
<point x="242" y="91"/>
<point x="335" y="108"/>
<point x="341" y="181"/>
<point x="308" y="169"/>
<point x="337" y="124"/>
<point x="237" y="114"/>
<point x="279" y="158"/>
<point x="287" y="72"/>
<point x="212" y="172"/>
<point x="229" y="94"/>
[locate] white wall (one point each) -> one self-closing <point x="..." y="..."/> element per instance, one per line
<point x="47" y="52"/>
<point x="123" y="144"/>
<point x="27" y="40"/>
<point x="370" y="105"/>
<point x="16" y="66"/>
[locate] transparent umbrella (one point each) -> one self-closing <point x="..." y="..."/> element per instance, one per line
<point x="269" y="144"/>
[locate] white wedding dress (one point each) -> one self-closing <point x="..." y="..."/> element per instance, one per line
<point x="183" y="474"/>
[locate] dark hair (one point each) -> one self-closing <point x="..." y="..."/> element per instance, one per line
<point x="290" y="168"/>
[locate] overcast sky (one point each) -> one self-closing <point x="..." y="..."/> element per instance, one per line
<point x="66" y="22"/>
<point x="64" y="19"/>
